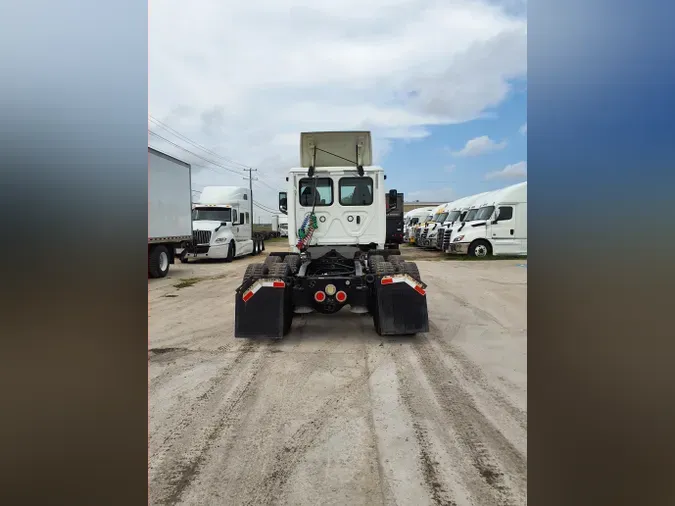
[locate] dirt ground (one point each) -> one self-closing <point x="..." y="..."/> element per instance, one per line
<point x="334" y="414"/>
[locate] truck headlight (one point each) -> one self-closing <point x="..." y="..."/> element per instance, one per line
<point x="458" y="238"/>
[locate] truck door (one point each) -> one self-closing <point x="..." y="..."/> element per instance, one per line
<point x="356" y="197"/>
<point x="241" y="225"/>
<point x="315" y="193"/>
<point x="504" y="234"/>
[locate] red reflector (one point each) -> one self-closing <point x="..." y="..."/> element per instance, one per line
<point x="278" y="284"/>
<point x="341" y="296"/>
<point x="387" y="281"/>
<point x="420" y="290"/>
<point x="247" y="295"/>
<point x="319" y="296"/>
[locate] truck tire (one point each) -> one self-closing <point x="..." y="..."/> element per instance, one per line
<point x="373" y="260"/>
<point x="231" y="251"/>
<point x="293" y="262"/>
<point x="410" y="268"/>
<point x="396" y="259"/>
<point x="270" y="261"/>
<point x="158" y="262"/>
<point x="254" y="271"/>
<point x="384" y="269"/>
<point x="262" y="244"/>
<point x="480" y="249"/>
<point x="279" y="270"/>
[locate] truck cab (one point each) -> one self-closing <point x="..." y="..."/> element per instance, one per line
<point x="221" y="224"/>
<point x="413" y="220"/>
<point x="496" y="226"/>
<point x="430" y="233"/>
<point x="283" y="226"/>
<point x="349" y="206"/>
<point x="461" y="213"/>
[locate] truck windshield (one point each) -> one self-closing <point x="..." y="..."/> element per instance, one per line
<point x="484" y="213"/>
<point x="452" y="217"/>
<point x="471" y="215"/>
<point x="211" y="214"/>
<point x="440" y="218"/>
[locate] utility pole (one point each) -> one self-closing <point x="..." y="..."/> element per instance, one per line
<point x="250" y="189"/>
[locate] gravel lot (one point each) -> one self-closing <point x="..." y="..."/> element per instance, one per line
<point x="334" y="414"/>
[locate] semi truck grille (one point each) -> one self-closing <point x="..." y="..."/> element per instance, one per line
<point x="439" y="237"/>
<point x="425" y="232"/>
<point x="446" y="241"/>
<point x="201" y="236"/>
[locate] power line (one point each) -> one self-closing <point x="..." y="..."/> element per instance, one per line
<point x="265" y="184"/>
<point x="264" y="208"/>
<point x="195" y="144"/>
<point x="193" y="153"/>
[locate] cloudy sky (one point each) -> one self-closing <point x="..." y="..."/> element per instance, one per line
<point x="441" y="84"/>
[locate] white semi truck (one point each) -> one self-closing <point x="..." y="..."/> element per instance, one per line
<point x="275" y="225"/>
<point x="458" y="214"/>
<point x="335" y="204"/>
<point x="169" y="210"/>
<point x="497" y="225"/>
<point x="221" y="223"/>
<point x="283" y="226"/>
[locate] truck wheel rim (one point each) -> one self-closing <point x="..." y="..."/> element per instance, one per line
<point x="163" y="261"/>
<point x="481" y="250"/>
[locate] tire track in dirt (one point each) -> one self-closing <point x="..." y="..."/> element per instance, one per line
<point x="501" y="466"/>
<point x="463" y="366"/>
<point x="175" y="465"/>
<point x="412" y="394"/>
<point x="291" y="452"/>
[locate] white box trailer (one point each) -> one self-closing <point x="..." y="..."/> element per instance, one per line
<point x="169" y="210"/>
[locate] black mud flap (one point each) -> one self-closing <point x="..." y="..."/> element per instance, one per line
<point x="400" y="306"/>
<point x="263" y="309"/>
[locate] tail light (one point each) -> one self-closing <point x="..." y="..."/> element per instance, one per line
<point x="319" y="296"/>
<point x="341" y="296"/>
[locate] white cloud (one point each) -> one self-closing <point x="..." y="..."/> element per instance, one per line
<point x="480" y="146"/>
<point x="431" y="195"/>
<point x="523" y="129"/>
<point x="513" y="171"/>
<point x="245" y="78"/>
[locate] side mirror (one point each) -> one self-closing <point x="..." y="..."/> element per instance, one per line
<point x="283" y="202"/>
<point x="393" y="199"/>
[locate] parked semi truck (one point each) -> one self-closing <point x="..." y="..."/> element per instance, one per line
<point x="221" y="223"/>
<point x="411" y="220"/>
<point x="275" y="225"/>
<point x="169" y="209"/>
<point x="335" y="205"/>
<point x="283" y="226"/>
<point x="496" y="226"/>
<point x="459" y="213"/>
